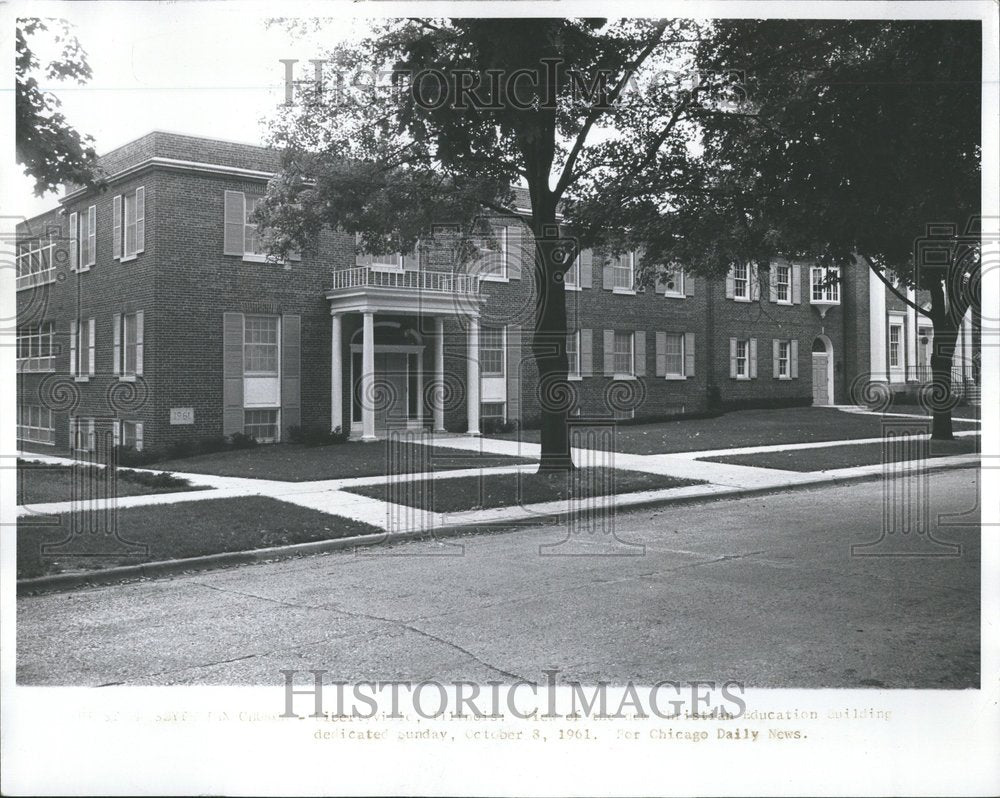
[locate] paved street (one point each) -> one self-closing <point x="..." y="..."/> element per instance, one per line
<point x="763" y="590"/>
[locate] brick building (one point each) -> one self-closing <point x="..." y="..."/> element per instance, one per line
<point x="149" y="312"/>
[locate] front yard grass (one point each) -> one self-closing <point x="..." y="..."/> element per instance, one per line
<point x="741" y="428"/>
<point x="185" y="529"/>
<point x="40" y="483"/>
<point x="832" y="457"/>
<point x="505" y="490"/>
<point x="293" y="462"/>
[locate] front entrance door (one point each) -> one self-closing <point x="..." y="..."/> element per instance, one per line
<point x="821" y="393"/>
<point x="393" y="378"/>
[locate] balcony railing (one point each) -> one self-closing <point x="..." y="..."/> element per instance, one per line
<point x="409" y="280"/>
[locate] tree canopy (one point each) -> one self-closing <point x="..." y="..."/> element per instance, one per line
<point x="48" y="147"/>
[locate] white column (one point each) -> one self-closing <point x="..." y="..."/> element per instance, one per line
<point x="368" y="378"/>
<point x="878" y="366"/>
<point x="911" y="336"/>
<point x="336" y="373"/>
<point x="472" y="383"/>
<point x="439" y="374"/>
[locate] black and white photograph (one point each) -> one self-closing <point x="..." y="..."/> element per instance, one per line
<point x="495" y="398"/>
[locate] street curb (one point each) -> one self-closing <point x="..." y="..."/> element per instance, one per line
<point x="129" y="573"/>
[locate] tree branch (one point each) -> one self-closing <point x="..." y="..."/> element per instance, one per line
<point x="890" y="286"/>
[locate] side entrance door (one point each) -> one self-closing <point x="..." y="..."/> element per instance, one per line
<point x="391" y="370"/>
<point x="821" y="394"/>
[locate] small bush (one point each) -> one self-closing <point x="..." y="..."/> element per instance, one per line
<point x="180" y="449"/>
<point x="127" y="456"/>
<point x="316" y="435"/>
<point x="213" y="443"/>
<point x="160" y="480"/>
<point x="240" y="440"/>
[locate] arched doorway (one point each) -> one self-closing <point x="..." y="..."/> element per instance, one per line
<point x="822" y="371"/>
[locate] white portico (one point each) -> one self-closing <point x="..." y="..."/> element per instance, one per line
<point x="396" y="352"/>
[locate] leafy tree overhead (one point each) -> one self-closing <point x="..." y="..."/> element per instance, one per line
<point x="855" y="140"/>
<point x="48" y="147"/>
<point x="464" y="109"/>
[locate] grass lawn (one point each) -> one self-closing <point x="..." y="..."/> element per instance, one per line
<point x="293" y="462"/>
<point x="186" y="529"/>
<point x="741" y="428"/>
<point x="504" y="490"/>
<point x="40" y="483"/>
<point x="833" y="457"/>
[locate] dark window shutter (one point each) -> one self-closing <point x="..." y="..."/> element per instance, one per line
<point x="291" y="373"/>
<point x="232" y="373"/>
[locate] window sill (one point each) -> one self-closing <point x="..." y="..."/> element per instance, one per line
<point x="783" y="377"/>
<point x="80" y="269"/>
<point x="81" y="379"/>
<point x="828" y="302"/>
<point x="623" y="291"/>
<point x="126" y="378"/>
<point x="37" y="443"/>
<point x="740" y="298"/>
<point x="572" y="287"/>
<point x="624" y="377"/>
<point x="494" y="278"/>
<point x="574" y="377"/>
<point x="128" y="258"/>
<point x="741" y="378"/>
<point x="675" y="377"/>
<point x="254" y="258"/>
<point x="668" y="295"/>
<point x="783" y="302"/>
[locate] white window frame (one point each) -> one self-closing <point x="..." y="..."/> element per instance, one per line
<point x="502" y="349"/>
<point x="134" y="222"/>
<point x="40" y="432"/>
<point x="88" y="238"/>
<point x="624" y="335"/>
<point x="571" y="277"/>
<point x="741" y="296"/>
<point x="784" y="360"/>
<point x="277" y="346"/>
<point x="82" y="436"/>
<point x="677" y="292"/>
<point x="779" y="284"/>
<point x="743" y="360"/>
<point x="251" y="255"/>
<point x="484" y="415"/>
<point x="896" y="347"/>
<point x="35" y="253"/>
<point x="136" y="435"/>
<point x="123" y="344"/>
<point x="32" y="340"/>
<point x="822" y="292"/>
<point x="667" y="373"/>
<point x="574" y="356"/>
<point x="501" y="234"/>
<point x="83" y="349"/>
<point x="619" y="268"/>
<point x="277" y="422"/>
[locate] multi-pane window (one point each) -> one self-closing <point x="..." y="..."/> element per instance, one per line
<point x="895" y="337"/>
<point x="673" y="281"/>
<point x="130" y="233"/>
<point x="674" y="352"/>
<point x="493" y="410"/>
<point x="128" y="343"/>
<point x="261" y="424"/>
<point x="34" y="423"/>
<point x="495" y="256"/>
<point x="573" y="353"/>
<point x="251" y="236"/>
<point x="825" y="284"/>
<point x="260" y="345"/>
<point x="131" y="435"/>
<point x="782" y="276"/>
<point x="784" y="349"/>
<point x="35" y="264"/>
<point x="571" y="278"/>
<point x="81" y="434"/>
<point x="35" y="348"/>
<point x="742" y="357"/>
<point x="82" y="347"/>
<point x="491" y="351"/>
<point x="741" y="281"/>
<point x="623" y="272"/>
<point x="623" y="353"/>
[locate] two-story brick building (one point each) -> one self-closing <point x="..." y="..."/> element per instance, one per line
<point x="150" y="309"/>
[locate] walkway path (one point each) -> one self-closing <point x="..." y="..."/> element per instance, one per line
<point x="329" y="496"/>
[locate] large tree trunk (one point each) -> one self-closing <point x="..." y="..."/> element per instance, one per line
<point x="549" y="345"/>
<point x="945" y="323"/>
